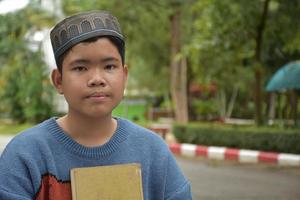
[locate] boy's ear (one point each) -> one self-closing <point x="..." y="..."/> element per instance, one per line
<point x="126" y="69"/>
<point x="56" y="78"/>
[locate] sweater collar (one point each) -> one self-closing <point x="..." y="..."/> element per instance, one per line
<point x="89" y="152"/>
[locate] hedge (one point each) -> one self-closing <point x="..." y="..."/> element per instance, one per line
<point x="262" y="139"/>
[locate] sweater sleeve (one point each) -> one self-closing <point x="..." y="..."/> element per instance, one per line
<point x="10" y="196"/>
<point x="15" y="181"/>
<point x="177" y="186"/>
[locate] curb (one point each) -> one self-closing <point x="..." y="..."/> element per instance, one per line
<point x="240" y="155"/>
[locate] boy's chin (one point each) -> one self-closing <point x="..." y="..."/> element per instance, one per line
<point x="99" y="115"/>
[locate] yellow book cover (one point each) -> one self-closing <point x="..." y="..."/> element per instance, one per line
<point x="113" y="182"/>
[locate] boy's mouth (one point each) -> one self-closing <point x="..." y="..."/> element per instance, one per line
<point x="98" y="95"/>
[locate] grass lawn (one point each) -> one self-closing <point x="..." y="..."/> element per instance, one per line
<point x="12" y="128"/>
<point x="134" y="112"/>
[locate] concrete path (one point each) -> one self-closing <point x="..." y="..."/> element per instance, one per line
<point x="4" y="139"/>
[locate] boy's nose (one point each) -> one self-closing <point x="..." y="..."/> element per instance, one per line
<point x="96" y="79"/>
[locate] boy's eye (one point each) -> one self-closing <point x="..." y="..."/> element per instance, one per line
<point x="79" y="68"/>
<point x="110" y="67"/>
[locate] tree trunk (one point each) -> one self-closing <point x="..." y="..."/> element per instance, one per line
<point x="272" y="105"/>
<point x="294" y="106"/>
<point x="258" y="68"/>
<point x="232" y="102"/>
<point x="225" y="109"/>
<point x="221" y="99"/>
<point x="178" y="71"/>
<point x="258" y="97"/>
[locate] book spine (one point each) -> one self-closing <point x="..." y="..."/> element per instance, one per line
<point x="73" y="185"/>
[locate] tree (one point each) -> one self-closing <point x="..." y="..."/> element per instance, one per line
<point x="26" y="92"/>
<point x="240" y="35"/>
<point x="178" y="67"/>
<point x="258" y="68"/>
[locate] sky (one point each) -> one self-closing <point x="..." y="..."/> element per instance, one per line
<point x="7" y="6"/>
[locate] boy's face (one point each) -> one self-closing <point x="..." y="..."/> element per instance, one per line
<point x="93" y="78"/>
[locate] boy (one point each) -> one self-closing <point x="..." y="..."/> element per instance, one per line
<point x="89" y="51"/>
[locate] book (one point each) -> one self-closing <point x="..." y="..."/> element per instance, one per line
<point x="113" y="182"/>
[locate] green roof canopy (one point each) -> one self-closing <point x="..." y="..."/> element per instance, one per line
<point x="287" y="77"/>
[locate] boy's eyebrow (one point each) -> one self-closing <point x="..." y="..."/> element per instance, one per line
<point x="79" y="61"/>
<point x="108" y="59"/>
<point x="86" y="61"/>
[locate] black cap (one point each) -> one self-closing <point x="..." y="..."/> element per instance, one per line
<point x="79" y="27"/>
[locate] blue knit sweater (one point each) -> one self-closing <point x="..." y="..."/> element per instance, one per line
<point x="36" y="163"/>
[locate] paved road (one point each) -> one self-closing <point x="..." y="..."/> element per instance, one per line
<point x="224" y="180"/>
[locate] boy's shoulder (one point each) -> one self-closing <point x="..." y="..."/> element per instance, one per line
<point x="31" y="136"/>
<point x="137" y="129"/>
<point x="141" y="134"/>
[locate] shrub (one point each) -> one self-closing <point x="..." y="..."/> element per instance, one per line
<point x="263" y="139"/>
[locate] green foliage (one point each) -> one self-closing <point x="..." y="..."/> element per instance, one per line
<point x="26" y="92"/>
<point x="223" y="43"/>
<point x="25" y="89"/>
<point x="205" y="109"/>
<point x="265" y="139"/>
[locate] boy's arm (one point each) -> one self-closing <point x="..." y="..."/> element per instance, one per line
<point x="177" y="186"/>
<point x="15" y="181"/>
